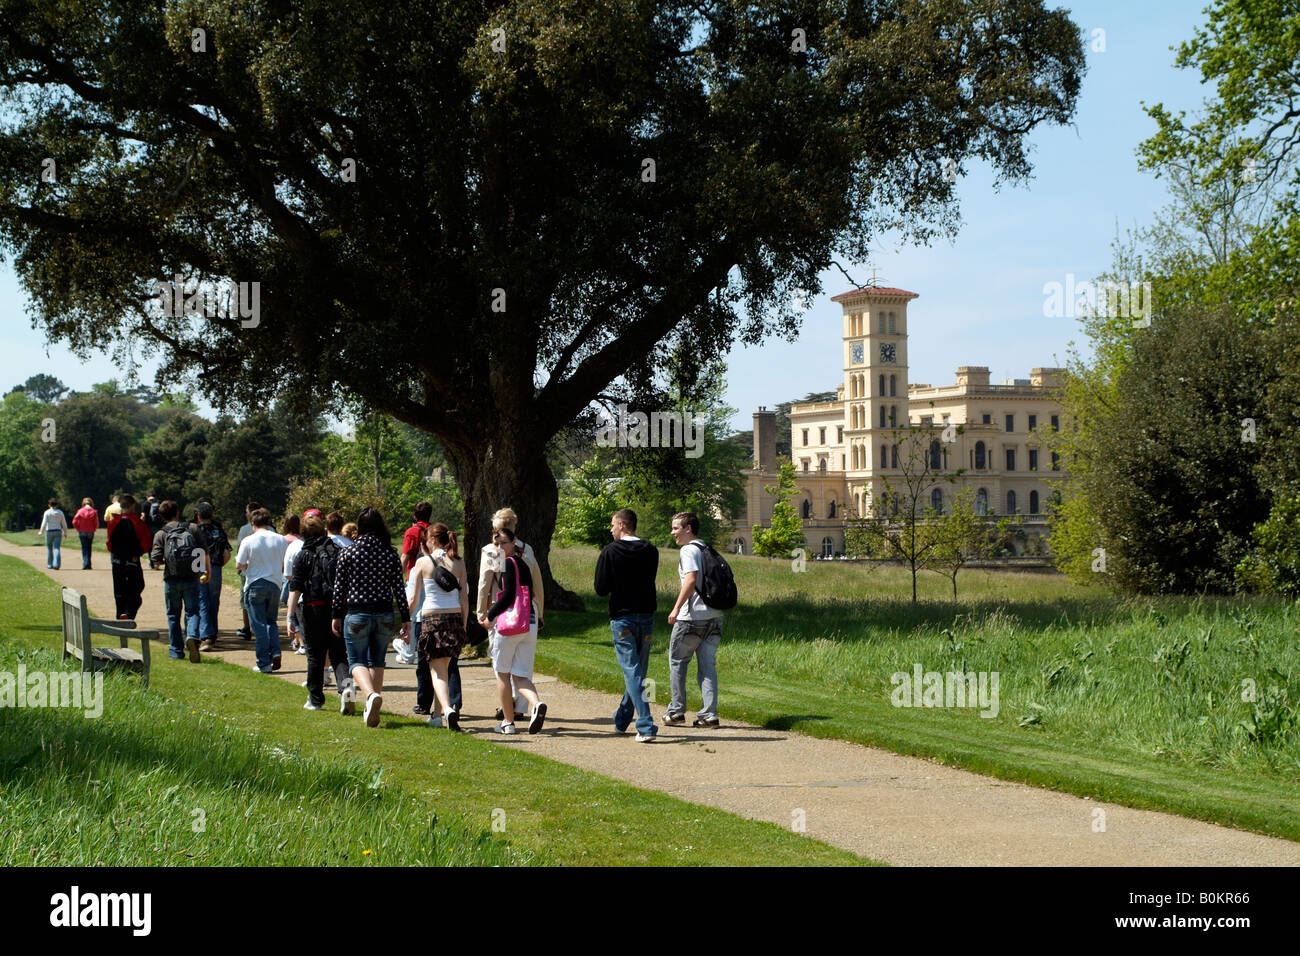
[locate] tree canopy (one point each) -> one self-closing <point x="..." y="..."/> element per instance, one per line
<point x="478" y="217"/>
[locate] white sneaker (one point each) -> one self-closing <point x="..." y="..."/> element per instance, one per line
<point x="300" y="649"/>
<point x="347" y="701"/>
<point x="434" y="721"/>
<point x="373" y="703"/>
<point x="504" y="728"/>
<point x="644" y="738"/>
<point x="310" y="706"/>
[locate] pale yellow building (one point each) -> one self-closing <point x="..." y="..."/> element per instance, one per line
<point x="845" y="450"/>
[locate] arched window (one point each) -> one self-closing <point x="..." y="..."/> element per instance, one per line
<point x="882" y="386"/>
<point x="739" y="546"/>
<point x="893" y="456"/>
<point x="855" y="456"/>
<point x="884" y="457"/>
<point x="936" y="455"/>
<point x="806" y="508"/>
<point x="893" y="415"/>
<point x="882" y="416"/>
<point x="1033" y="502"/>
<point x="1011" y="502"/>
<point x="936" y="500"/>
<point x="893" y="385"/>
<point x="893" y="504"/>
<point x="891" y="321"/>
<point x="830" y="510"/>
<point x="859" y="504"/>
<point x="828" y="547"/>
<point x="821" y="464"/>
<point x="981" y="502"/>
<point x="979" y="456"/>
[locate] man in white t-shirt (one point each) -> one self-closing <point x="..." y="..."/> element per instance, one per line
<point x="261" y="560"/>
<point x="697" y="631"/>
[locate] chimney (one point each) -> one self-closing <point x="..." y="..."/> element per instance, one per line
<point x="764" y="439"/>
<point x="1046" y="377"/>
<point x="973" y="376"/>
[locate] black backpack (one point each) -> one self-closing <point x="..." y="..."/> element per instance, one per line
<point x="715" y="584"/>
<point x="320" y="575"/>
<point x="180" y="549"/>
<point x="213" y="540"/>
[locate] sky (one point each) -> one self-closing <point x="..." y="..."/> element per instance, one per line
<point x="981" y="299"/>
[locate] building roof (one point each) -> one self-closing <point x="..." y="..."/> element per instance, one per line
<point x="873" y="291"/>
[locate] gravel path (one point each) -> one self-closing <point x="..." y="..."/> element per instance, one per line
<point x="878" y="804"/>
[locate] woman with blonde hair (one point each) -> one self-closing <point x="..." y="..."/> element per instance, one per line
<point x="491" y="567"/>
<point x="513" y="653"/>
<point x="442" y="592"/>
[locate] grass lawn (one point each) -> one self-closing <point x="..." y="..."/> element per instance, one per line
<point x="273" y="784"/>
<point x="1137" y="702"/>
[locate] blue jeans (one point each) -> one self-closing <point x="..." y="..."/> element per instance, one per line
<point x="632" y="635"/>
<point x="204" y="624"/>
<point x="701" y="639"/>
<point x="53" y="554"/>
<point x="87" y="542"/>
<point x="263" y="602"/>
<point x="178" y="592"/>
<point x="367" y="636"/>
<point x="209" y="624"/>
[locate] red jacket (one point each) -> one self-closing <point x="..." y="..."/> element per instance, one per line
<point x="411" y="545"/>
<point x="86" y="520"/>
<point x="141" y="532"/>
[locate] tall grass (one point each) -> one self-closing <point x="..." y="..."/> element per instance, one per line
<point x="1187" y="704"/>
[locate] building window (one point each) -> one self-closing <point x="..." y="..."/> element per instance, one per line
<point x="1056" y="462"/>
<point x="828" y="547"/>
<point x="893" y="456"/>
<point x="1011" y="459"/>
<point x="981" y="502"/>
<point x="839" y="434"/>
<point x="882" y="386"/>
<point x="1011" y="502"/>
<point x="893" y="504"/>
<point x="893" y="416"/>
<point x="739" y="546"/>
<point x="844" y="462"/>
<point x="821" y="463"/>
<point x="1033" y="422"/>
<point x="884" y="459"/>
<point x="881" y="323"/>
<point x="806" y="508"/>
<point x="1011" y="423"/>
<point x="936" y="455"/>
<point x="936" y="500"/>
<point x="805" y="436"/>
<point x="1033" y="459"/>
<point x="987" y="419"/>
<point x="830" y="509"/>
<point x="821" y="436"/>
<point x="1056" y="423"/>
<point x="883" y="413"/>
<point x="1033" y="502"/>
<point x="805" y="463"/>
<point x="979" y="456"/>
<point x="893" y="385"/>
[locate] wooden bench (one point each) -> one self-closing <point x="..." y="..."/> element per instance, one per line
<point x="79" y="626"/>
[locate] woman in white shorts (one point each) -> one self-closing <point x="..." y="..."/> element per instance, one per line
<point x="512" y="655"/>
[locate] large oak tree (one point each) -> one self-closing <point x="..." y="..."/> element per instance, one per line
<point x="550" y="198"/>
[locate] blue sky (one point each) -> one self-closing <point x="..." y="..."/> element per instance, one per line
<point x="981" y="296"/>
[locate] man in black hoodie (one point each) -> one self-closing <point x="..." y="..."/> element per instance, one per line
<point x="626" y="571"/>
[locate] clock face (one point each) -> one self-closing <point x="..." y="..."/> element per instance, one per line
<point x="887" y="352"/>
<point x="857" y="353"/>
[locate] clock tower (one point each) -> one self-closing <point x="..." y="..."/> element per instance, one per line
<point x="875" y="384"/>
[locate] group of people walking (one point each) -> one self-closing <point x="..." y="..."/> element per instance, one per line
<point x="340" y="584"/>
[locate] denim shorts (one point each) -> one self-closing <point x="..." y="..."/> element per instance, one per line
<point x="367" y="637"/>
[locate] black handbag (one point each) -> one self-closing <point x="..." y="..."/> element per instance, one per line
<point x="444" y="578"/>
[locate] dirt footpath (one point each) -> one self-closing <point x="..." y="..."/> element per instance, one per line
<point x="899" y="809"/>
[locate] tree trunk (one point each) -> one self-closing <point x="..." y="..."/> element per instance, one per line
<point x="507" y="472"/>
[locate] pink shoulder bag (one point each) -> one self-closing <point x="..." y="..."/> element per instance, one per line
<point x="516" y="619"/>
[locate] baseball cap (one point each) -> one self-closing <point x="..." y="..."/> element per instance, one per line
<point x="312" y="513"/>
